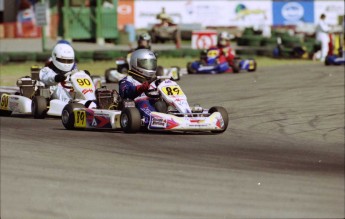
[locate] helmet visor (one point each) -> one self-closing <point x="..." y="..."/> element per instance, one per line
<point x="65" y="61"/>
<point x="148" y="64"/>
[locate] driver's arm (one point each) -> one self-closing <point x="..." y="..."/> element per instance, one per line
<point x="47" y="76"/>
<point x="129" y="90"/>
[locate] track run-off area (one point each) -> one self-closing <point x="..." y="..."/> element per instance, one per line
<point x="282" y="156"/>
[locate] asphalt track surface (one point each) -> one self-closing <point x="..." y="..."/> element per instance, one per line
<point x="281" y="157"/>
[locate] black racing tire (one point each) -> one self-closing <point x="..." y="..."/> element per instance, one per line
<point x="67" y="115"/>
<point x="5" y="113"/>
<point x="255" y="67"/>
<point x="224" y="114"/>
<point x="235" y="66"/>
<point x="190" y="70"/>
<point x="327" y="62"/>
<point x="39" y="107"/>
<point x="106" y="75"/>
<point x="130" y="120"/>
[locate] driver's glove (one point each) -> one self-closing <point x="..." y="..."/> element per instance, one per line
<point x="143" y="87"/>
<point x="60" y="78"/>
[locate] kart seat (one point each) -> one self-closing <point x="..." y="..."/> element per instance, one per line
<point x="35" y="70"/>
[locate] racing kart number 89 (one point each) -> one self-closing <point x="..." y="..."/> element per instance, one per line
<point x="80" y="119"/>
<point x="4" y="102"/>
<point x="172" y="90"/>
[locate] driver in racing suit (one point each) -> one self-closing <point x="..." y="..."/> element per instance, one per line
<point x="53" y="74"/>
<point x="142" y="71"/>
<point x="226" y="53"/>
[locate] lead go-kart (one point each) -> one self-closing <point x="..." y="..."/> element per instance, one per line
<point x="114" y="75"/>
<point x="179" y="116"/>
<point x="34" y="98"/>
<point x="209" y="64"/>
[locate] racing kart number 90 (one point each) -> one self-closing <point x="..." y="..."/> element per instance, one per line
<point x="172" y="90"/>
<point x="4" y="102"/>
<point x="84" y="83"/>
<point x="80" y="119"/>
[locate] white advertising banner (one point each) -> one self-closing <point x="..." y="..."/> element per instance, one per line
<point x="332" y="10"/>
<point x="208" y="13"/>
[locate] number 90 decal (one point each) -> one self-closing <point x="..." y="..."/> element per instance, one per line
<point x="172" y="90"/>
<point x="4" y="102"/>
<point x="84" y="83"/>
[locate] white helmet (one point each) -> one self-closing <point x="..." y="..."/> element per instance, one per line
<point x="63" y="57"/>
<point x="143" y="64"/>
<point x="223" y="38"/>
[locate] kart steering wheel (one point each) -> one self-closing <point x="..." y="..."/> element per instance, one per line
<point x="153" y="93"/>
<point x="68" y="75"/>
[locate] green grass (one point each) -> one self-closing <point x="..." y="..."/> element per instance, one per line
<point x="9" y="73"/>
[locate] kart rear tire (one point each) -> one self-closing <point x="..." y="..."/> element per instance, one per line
<point x="39" y="107"/>
<point x="224" y="114"/>
<point x="106" y="75"/>
<point x="327" y="62"/>
<point x="190" y="69"/>
<point x="67" y="115"/>
<point x="5" y="113"/>
<point x="130" y="120"/>
<point x="236" y="66"/>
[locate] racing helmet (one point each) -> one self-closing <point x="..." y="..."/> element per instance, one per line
<point x="143" y="65"/>
<point x="224" y="38"/>
<point x="63" y="57"/>
<point x="144" y="41"/>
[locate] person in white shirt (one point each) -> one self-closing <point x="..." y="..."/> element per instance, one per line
<point x="322" y="35"/>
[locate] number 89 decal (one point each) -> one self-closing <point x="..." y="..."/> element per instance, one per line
<point x="172" y="90"/>
<point x="80" y="119"/>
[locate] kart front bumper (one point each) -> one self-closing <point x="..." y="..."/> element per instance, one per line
<point x="167" y="122"/>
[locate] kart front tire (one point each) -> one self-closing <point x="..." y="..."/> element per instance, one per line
<point x="130" y="120"/>
<point x="224" y="114"/>
<point x="236" y="67"/>
<point x="190" y="69"/>
<point x="39" y="107"/>
<point x="67" y="115"/>
<point x="5" y="113"/>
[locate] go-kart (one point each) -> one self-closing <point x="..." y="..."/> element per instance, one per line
<point x="209" y="64"/>
<point x="116" y="74"/>
<point x="104" y="116"/>
<point x="20" y="102"/>
<point x="177" y="115"/>
<point x="335" y="59"/>
<point x="35" y="98"/>
<point x="165" y="32"/>
<point x="82" y="90"/>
